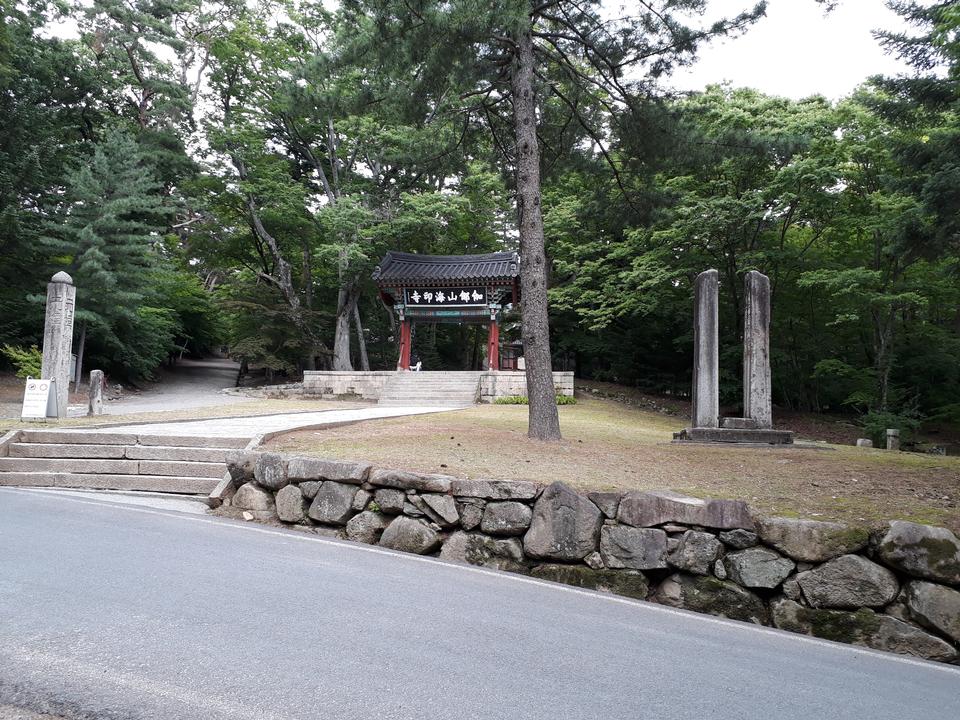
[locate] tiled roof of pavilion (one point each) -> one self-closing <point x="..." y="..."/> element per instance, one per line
<point x="409" y="268"/>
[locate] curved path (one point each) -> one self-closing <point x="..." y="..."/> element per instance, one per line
<point x="251" y="426"/>
<point x="118" y="612"/>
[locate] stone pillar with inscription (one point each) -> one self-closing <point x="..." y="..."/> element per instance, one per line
<point x="757" y="400"/>
<point x="58" y="336"/>
<point x="95" y="400"/>
<point x="706" y="351"/>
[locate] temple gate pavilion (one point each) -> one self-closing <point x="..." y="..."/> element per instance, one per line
<point x="449" y="289"/>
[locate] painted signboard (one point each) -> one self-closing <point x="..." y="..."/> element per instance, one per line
<point x="445" y="297"/>
<point x="39" y="399"/>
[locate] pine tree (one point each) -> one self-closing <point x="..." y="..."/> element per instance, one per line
<point x="105" y="235"/>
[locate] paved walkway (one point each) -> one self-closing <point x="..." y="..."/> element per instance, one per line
<point x="249" y="427"/>
<point x="189" y="384"/>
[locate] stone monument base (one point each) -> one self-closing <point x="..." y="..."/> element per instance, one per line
<point x="751" y="436"/>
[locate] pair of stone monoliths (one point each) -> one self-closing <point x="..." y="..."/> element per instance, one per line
<point x="757" y="400"/>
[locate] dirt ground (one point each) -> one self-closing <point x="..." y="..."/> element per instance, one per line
<point x="616" y="445"/>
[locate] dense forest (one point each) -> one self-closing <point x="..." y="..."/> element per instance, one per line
<point x="228" y="173"/>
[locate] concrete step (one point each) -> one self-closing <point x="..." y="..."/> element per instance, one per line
<point x="187" y="454"/>
<point x="69" y="465"/>
<point x="428" y="401"/>
<point x="118" y="452"/>
<point x="64" y="450"/>
<point x="182" y="469"/>
<point x="417" y="395"/>
<point x="95" y="437"/>
<point x="93" y="481"/>
<point x="102" y="466"/>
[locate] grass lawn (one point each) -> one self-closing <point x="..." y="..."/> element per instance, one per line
<point x="609" y="445"/>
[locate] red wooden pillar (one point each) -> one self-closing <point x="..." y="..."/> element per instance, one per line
<point x="493" y="346"/>
<point x="404" y="362"/>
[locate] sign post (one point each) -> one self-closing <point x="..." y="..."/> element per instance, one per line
<point x="39" y="399"/>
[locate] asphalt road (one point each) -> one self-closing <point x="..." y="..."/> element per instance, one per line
<point x="119" y="612"/>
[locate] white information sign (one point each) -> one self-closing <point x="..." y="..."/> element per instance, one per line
<point x="39" y="399"/>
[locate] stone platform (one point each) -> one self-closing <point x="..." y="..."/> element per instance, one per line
<point x="751" y="436"/>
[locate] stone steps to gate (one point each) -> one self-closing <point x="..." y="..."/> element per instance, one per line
<point x="431" y="389"/>
<point x="116" y="461"/>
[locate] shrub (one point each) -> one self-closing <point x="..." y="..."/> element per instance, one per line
<point x="27" y="361"/>
<point x="522" y="400"/>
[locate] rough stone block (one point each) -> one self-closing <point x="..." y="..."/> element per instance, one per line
<point x="711" y="595"/>
<point x="634" y="548"/>
<point x="360" y="499"/>
<point x="367" y="527"/>
<point x="477" y="549"/>
<point x="270" y="471"/>
<point x="863" y="627"/>
<point x="251" y="496"/>
<point x="739" y="539"/>
<point x="240" y="464"/>
<point x="608" y="502"/>
<point x="410" y="481"/>
<point x="410" y="535"/>
<point x="922" y="551"/>
<point x="310" y="488"/>
<point x="647" y="509"/>
<point x="849" y="581"/>
<point x="506" y="518"/>
<point x="934" y="606"/>
<point x="390" y="501"/>
<point x="811" y="540"/>
<point x="565" y="525"/>
<point x="496" y="489"/>
<point x="471" y="512"/>
<point x="300" y="469"/>
<point x="695" y="553"/>
<point x="291" y="505"/>
<point x="444" y="509"/>
<point x="758" y="567"/>
<point x="333" y="503"/>
<point x="630" y="583"/>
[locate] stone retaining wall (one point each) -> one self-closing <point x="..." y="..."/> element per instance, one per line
<point x="339" y="383"/>
<point x="369" y="385"/>
<point x="506" y="383"/>
<point x="895" y="589"/>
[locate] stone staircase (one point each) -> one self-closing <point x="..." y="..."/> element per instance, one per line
<point x="115" y="461"/>
<point x="431" y="389"/>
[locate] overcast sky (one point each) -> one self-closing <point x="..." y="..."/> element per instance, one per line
<point x="797" y="50"/>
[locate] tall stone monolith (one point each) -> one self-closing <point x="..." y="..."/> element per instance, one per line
<point x="58" y="336"/>
<point x="757" y="399"/>
<point x="706" y="351"/>
<point x="95" y="400"/>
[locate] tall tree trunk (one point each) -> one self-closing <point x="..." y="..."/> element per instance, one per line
<point x="341" y="337"/>
<point x="361" y="340"/>
<point x="544" y="421"/>
<point x="81" y="346"/>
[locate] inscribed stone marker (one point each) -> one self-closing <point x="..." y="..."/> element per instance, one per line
<point x="706" y="352"/>
<point x="58" y="336"/>
<point x="757" y="400"/>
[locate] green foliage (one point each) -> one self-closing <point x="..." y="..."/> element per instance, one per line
<point x="106" y="235"/>
<point x="523" y="400"/>
<point x="875" y="425"/>
<point x="27" y="361"/>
